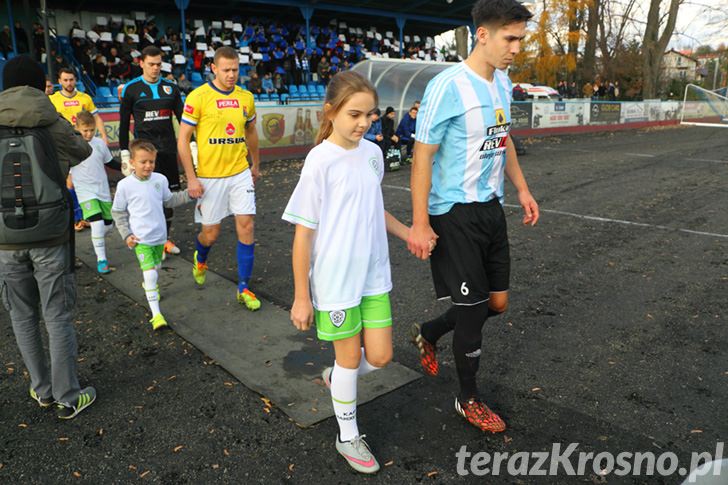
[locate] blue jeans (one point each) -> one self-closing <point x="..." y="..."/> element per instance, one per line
<point x="43" y="278"/>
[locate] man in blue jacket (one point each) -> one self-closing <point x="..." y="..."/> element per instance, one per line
<point x="406" y="131"/>
<point x="374" y="134"/>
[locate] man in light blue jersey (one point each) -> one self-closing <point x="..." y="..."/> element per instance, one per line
<point x="463" y="152"/>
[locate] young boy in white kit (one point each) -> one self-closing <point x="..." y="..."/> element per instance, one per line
<point x="92" y="187"/>
<point x="138" y="212"/>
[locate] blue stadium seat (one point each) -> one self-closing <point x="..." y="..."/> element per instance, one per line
<point x="284" y="98"/>
<point x="274" y="97"/>
<point x="293" y="89"/>
<point x="321" y="90"/>
<point x="196" y="79"/>
<point x="264" y="97"/>
<point x="256" y="97"/>
<point x="103" y="92"/>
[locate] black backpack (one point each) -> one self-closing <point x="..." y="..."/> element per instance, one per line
<point x="34" y="201"/>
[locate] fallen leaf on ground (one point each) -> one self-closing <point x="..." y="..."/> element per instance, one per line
<point x="215" y="466"/>
<point x="22" y="425"/>
<point x="291" y="467"/>
<point x="225" y="452"/>
<point x="77" y="474"/>
<point x="389" y="463"/>
<point x="144" y="474"/>
<point x="63" y="438"/>
<point x="696" y="431"/>
<point x="432" y="474"/>
<point x="177" y="448"/>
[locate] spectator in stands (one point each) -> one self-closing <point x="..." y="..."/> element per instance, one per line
<point x="572" y="90"/>
<point x="59" y="63"/>
<point x="519" y="94"/>
<point x="610" y="92"/>
<point x="6" y="42"/>
<point x="616" y="89"/>
<point x="388" y="129"/>
<point x="184" y="84"/>
<point x="100" y="70"/>
<point x="255" y="86"/>
<point x="280" y="86"/>
<point x="587" y="90"/>
<point x="21" y="39"/>
<point x="38" y="40"/>
<point x="406" y="130"/>
<point x="49" y="87"/>
<point x="324" y="71"/>
<point x="374" y="134"/>
<point x="268" y="87"/>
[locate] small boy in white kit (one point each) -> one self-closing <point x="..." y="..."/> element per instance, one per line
<point x="138" y="212"/>
<point x="92" y="187"/>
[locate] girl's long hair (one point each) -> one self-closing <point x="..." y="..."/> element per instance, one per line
<point x="341" y="87"/>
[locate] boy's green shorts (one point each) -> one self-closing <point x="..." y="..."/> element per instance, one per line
<point x="95" y="206"/>
<point x="149" y="256"/>
<point x="372" y="312"/>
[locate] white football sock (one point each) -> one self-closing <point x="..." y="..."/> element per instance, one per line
<point x="364" y="366"/>
<point x="152" y="290"/>
<point x="97" y="239"/>
<point x="343" y="396"/>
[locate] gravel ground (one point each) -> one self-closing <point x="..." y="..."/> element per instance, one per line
<point x="615" y="339"/>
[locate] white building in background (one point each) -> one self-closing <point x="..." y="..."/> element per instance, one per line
<point x="679" y="65"/>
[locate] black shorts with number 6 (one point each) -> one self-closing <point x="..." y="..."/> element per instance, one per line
<point x="472" y="257"/>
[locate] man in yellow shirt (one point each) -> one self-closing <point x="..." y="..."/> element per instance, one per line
<point x="222" y="117"/>
<point x="69" y="102"/>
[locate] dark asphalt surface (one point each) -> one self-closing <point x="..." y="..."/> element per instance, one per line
<point x="615" y="339"/>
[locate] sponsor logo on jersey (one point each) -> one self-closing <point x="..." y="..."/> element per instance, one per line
<point x="494" y="143"/>
<point x="68" y="104"/>
<point x="337" y="317"/>
<point x="189" y="109"/>
<point x="230" y="129"/>
<point x="498" y="129"/>
<point x="500" y="117"/>
<point x="226" y="141"/>
<point x="228" y="103"/>
<point x="167" y="89"/>
<point x="156" y="115"/>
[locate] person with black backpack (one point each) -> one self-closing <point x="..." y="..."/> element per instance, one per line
<point x="36" y="234"/>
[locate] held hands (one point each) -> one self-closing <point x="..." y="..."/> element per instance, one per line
<point x="125" y="165"/>
<point x="302" y="314"/>
<point x="194" y="188"/>
<point x="132" y="241"/>
<point x="421" y="241"/>
<point x="530" y="208"/>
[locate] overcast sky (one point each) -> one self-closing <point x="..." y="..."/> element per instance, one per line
<point x="699" y="22"/>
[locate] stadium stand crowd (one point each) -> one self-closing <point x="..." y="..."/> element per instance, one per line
<point x="276" y="61"/>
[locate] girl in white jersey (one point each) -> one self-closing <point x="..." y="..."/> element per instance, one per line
<point x="340" y="255"/>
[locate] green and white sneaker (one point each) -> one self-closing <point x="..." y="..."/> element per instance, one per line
<point x="44" y="402"/>
<point x="85" y="398"/>
<point x="158" y="321"/>
<point x="358" y="454"/>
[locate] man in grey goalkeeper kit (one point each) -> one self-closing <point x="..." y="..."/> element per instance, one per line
<point x="36" y="249"/>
